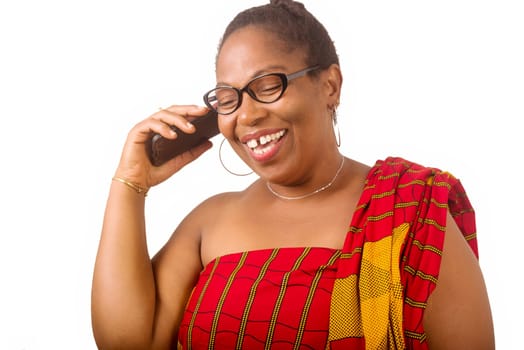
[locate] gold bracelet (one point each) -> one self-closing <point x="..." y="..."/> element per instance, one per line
<point x="137" y="188"/>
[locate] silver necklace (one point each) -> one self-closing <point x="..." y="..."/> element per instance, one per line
<point x="311" y="193"/>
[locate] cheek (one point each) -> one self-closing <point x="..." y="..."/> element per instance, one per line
<point x="311" y="124"/>
<point x="226" y="125"/>
<point x="302" y="105"/>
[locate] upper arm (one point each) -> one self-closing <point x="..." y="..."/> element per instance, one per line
<point x="176" y="267"/>
<point x="458" y="314"/>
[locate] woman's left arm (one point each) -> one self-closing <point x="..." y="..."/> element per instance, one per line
<point x="458" y="314"/>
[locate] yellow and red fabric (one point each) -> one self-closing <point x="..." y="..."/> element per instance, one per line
<point x="371" y="294"/>
<point x="391" y="258"/>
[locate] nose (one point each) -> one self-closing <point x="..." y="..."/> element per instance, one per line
<point x="250" y="111"/>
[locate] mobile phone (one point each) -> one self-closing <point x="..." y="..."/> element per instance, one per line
<point x="160" y="149"/>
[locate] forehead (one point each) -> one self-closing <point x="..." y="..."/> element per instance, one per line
<point x="252" y="50"/>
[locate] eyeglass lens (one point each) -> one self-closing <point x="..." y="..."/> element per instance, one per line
<point x="265" y="89"/>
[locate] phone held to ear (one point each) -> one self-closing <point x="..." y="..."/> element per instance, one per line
<point x="160" y="149"/>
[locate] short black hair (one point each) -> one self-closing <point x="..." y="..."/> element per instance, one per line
<point x="295" y="26"/>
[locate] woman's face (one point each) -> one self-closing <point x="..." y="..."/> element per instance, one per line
<point x="283" y="140"/>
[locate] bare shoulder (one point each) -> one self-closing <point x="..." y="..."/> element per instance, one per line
<point x="458" y="314"/>
<point x="185" y="242"/>
<point x="214" y="205"/>
<point x="188" y="235"/>
<point x="177" y="267"/>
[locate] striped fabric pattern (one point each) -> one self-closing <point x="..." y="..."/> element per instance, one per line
<point x="391" y="258"/>
<point x="369" y="295"/>
<point x="264" y="299"/>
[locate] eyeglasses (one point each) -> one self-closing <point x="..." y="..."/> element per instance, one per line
<point x="266" y="88"/>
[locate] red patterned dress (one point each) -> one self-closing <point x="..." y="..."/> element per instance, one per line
<point x="371" y="294"/>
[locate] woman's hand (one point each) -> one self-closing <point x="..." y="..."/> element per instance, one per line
<point x="135" y="165"/>
<point x="126" y="310"/>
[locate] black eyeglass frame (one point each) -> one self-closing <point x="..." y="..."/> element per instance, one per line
<point x="285" y="78"/>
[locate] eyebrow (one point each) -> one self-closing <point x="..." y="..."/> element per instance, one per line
<point x="269" y="69"/>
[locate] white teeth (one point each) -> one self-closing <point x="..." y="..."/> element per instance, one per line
<point x="260" y="150"/>
<point x="265" y="139"/>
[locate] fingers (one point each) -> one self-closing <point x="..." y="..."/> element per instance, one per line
<point x="164" y="121"/>
<point x="180" y="116"/>
<point x="135" y="163"/>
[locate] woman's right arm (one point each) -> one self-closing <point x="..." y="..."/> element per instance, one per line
<point x="126" y="310"/>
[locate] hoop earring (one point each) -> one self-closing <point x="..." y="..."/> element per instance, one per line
<point x="336" y="129"/>
<point x="224" y="166"/>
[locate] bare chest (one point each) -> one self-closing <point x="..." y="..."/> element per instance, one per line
<point x="248" y="227"/>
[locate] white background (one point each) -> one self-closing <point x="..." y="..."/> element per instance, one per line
<point x="440" y="83"/>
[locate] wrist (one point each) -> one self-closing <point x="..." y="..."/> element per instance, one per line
<point x="138" y="188"/>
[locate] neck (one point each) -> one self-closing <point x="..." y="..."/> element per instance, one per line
<point x="311" y="193"/>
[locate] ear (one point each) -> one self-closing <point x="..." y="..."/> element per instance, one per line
<point x="332" y="85"/>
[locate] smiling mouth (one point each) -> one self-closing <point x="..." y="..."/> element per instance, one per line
<point x="263" y="143"/>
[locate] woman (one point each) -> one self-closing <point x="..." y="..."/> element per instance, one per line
<point x="319" y="252"/>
